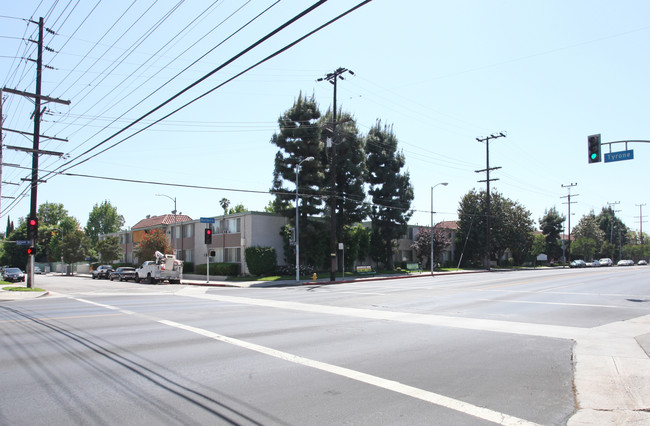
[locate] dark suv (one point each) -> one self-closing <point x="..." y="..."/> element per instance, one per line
<point x="102" y="271"/>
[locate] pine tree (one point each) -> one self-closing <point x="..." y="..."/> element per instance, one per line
<point x="390" y="189"/>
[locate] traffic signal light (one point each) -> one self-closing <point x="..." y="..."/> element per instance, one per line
<point x="32" y="228"/>
<point x="208" y="235"/>
<point x="31" y="250"/>
<point x="593" y="145"/>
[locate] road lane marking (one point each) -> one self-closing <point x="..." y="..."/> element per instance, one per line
<point x="390" y="385"/>
<point x="558" y="303"/>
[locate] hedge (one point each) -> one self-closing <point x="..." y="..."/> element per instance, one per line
<point x="261" y="260"/>
<point x="228" y="269"/>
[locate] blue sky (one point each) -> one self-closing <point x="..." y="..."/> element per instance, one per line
<point x="548" y="73"/>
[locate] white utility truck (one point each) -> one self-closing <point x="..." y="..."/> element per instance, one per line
<point x="165" y="268"/>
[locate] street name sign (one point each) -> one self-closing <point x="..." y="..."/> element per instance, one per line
<point x="610" y="157"/>
<point x="23" y="242"/>
<point x="207" y="220"/>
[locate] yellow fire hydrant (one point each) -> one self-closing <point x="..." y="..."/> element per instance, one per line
<point x="314" y="277"/>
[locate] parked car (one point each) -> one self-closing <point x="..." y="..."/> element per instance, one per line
<point x="605" y="261"/>
<point x="642" y="262"/>
<point x="123" y="273"/>
<point x="593" y="263"/>
<point x="577" y="264"/>
<point x="102" y="271"/>
<point x="625" y="262"/>
<point x="37" y="270"/>
<point x="13" y="275"/>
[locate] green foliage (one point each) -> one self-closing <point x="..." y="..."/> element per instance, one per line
<point x="109" y="249"/>
<point x="217" y="269"/>
<point x="584" y="247"/>
<point x="357" y="244"/>
<point x="614" y="230"/>
<point x="512" y="228"/>
<point x="155" y="240"/>
<point x="299" y="138"/>
<point x="390" y="189"/>
<point x="239" y="208"/>
<point x="103" y="219"/>
<point x="551" y="226"/>
<point x="261" y="260"/>
<point x="75" y="246"/>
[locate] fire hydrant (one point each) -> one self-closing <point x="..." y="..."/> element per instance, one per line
<point x="314" y="277"/>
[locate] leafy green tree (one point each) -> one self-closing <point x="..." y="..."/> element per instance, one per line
<point x="537" y="247"/>
<point x="512" y="227"/>
<point x="103" y="219"/>
<point x="357" y="243"/>
<point x="15" y="255"/>
<point x="109" y="249"/>
<point x="153" y="241"/>
<point x="584" y="247"/>
<point x="55" y="238"/>
<point x="614" y="229"/>
<point x="239" y="208"/>
<point x="390" y="189"/>
<point x="75" y="246"/>
<point x="51" y="214"/>
<point x="587" y="229"/>
<point x="551" y="225"/>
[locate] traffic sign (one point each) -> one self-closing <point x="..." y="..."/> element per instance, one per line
<point x="610" y="157"/>
<point x="207" y="220"/>
<point x="23" y="242"/>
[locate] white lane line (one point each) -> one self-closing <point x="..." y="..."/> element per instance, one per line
<point x="510" y="327"/>
<point x="390" y="385"/>
<point x="557" y="303"/>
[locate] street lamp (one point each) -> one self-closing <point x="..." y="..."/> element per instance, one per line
<point x="174" y="236"/>
<point x="443" y="184"/>
<point x="297" y="219"/>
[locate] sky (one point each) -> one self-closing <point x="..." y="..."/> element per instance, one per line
<point x="546" y="74"/>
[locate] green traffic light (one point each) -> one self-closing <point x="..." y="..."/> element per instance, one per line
<point x="594" y="155"/>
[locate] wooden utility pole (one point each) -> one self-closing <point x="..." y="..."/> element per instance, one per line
<point x="568" y="197"/>
<point x="487" y="181"/>
<point x="37" y="135"/>
<point x="332" y="78"/>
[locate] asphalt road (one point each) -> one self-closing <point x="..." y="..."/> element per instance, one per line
<point x="531" y="347"/>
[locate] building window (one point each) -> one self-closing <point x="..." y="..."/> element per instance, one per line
<point x="233" y="255"/>
<point x="188" y="231"/>
<point x="187" y="255"/>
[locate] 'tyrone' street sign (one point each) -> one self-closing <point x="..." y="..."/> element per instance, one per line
<point x="207" y="220"/>
<point x="610" y="157"/>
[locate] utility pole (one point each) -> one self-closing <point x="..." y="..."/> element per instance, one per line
<point x="640" y="206"/>
<point x="568" y="197"/>
<point x="487" y="181"/>
<point x="37" y="135"/>
<point x="333" y="77"/>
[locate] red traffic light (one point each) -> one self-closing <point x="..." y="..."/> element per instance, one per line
<point x="208" y="231"/>
<point x="32" y="222"/>
<point x="30" y="250"/>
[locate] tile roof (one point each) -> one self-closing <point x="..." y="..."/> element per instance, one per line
<point x="166" y="219"/>
<point x="448" y="224"/>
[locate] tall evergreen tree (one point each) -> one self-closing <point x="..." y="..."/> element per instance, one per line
<point x="551" y="225"/>
<point x="390" y="189"/>
<point x="351" y="173"/>
<point x="299" y="138"/>
<point x="614" y="230"/>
